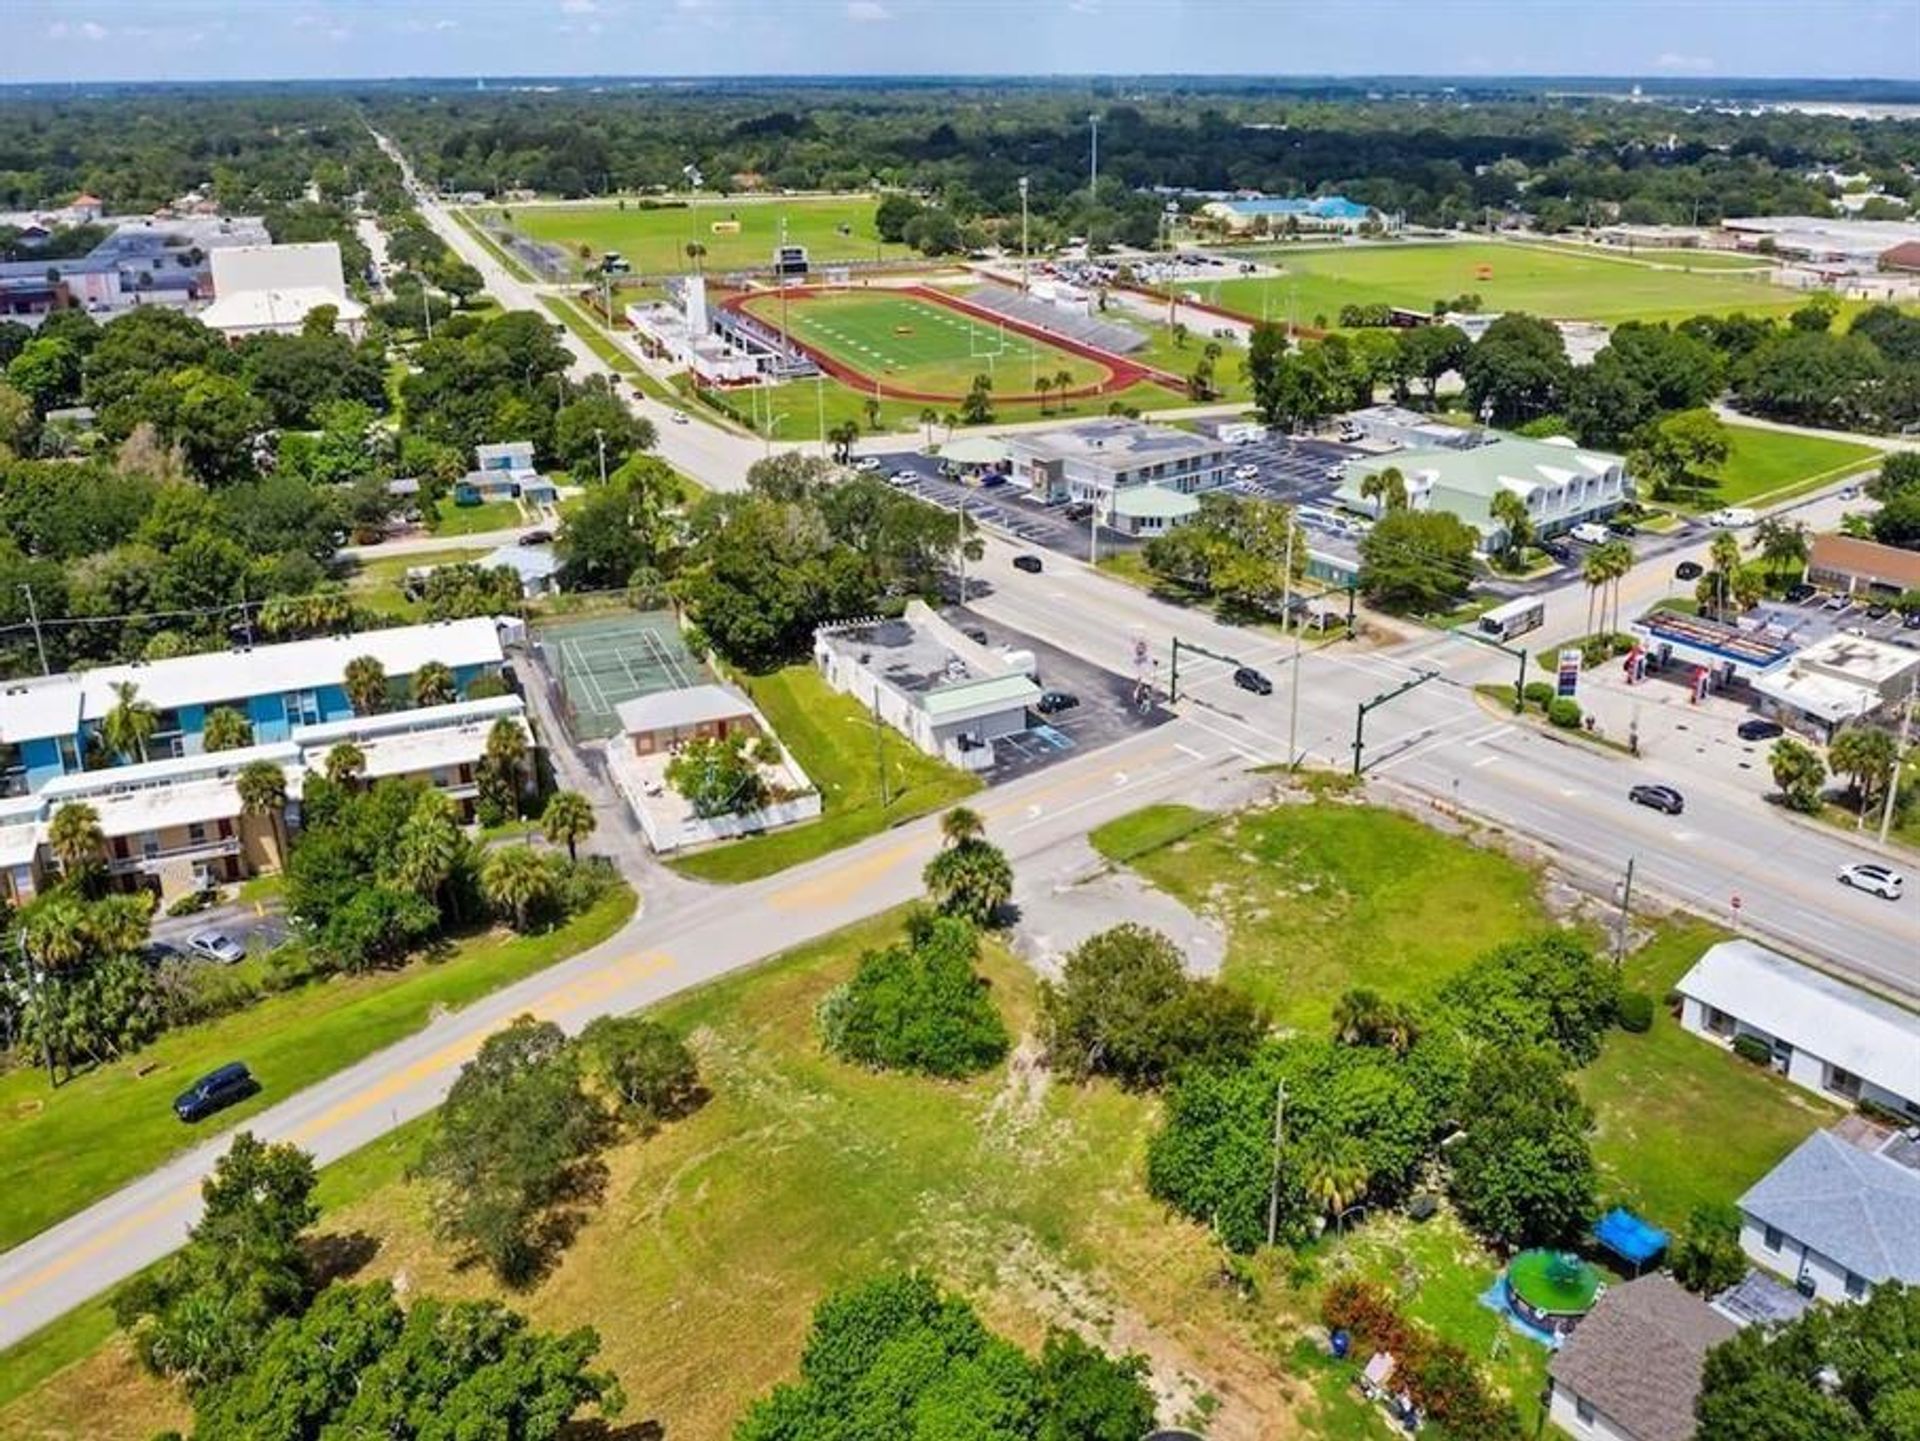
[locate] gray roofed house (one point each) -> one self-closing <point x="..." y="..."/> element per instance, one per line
<point x="1840" y="1215"/>
<point x="1632" y="1369"/>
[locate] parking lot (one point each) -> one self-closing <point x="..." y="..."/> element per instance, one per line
<point x="1003" y="508"/>
<point x="1106" y="709"/>
<point x="1821" y="615"/>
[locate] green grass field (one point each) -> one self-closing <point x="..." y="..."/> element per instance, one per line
<point x="378" y="582"/>
<point x="1775" y="463"/>
<point x="738" y="234"/>
<point x="916" y="345"/>
<point x="833" y="740"/>
<point x="449" y="519"/>
<point x="1545" y="282"/>
<point x="65" y="1148"/>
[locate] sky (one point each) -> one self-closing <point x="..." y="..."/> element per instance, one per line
<point x="80" y="40"/>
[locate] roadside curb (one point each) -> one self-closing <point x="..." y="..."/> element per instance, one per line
<point x="1867" y="837"/>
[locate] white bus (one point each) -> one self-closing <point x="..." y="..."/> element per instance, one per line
<point x="1516" y="617"/>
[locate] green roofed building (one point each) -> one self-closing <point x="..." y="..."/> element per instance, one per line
<point x="1562" y="484"/>
<point x="1149" y="510"/>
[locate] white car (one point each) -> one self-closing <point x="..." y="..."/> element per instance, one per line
<point x="216" y="946"/>
<point x="902" y="477"/>
<point x="1875" y="879"/>
<point x="678" y="417"/>
<point x="1589" y="532"/>
<point x="1734" y="517"/>
<point x="1246" y="472"/>
<point x="867" y="462"/>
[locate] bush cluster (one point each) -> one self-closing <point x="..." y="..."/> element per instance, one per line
<point x="918" y="1006"/>
<point x="1437" y="1376"/>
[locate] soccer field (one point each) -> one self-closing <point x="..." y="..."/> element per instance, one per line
<point x="737" y="233"/>
<point x="1554" y="284"/>
<point x="914" y="346"/>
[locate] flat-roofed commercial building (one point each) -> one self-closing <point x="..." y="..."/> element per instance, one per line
<point x="1099" y="460"/>
<point x="1854" y="567"/>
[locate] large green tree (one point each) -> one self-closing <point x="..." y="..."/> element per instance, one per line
<point x="1523" y="1174"/>
<point x="1417" y="561"/>
<point x="1517" y="371"/>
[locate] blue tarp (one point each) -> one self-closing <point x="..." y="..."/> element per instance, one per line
<point x="1627" y="1236"/>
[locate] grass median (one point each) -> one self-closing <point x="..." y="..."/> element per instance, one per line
<point x="843" y="752"/>
<point x="64" y="1148"/>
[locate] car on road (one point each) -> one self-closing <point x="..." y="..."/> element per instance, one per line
<point x="678" y="417"/>
<point x="1658" y="798"/>
<point x="1733" y="517"/>
<point x="1079" y="510"/>
<point x="1688" y="570"/>
<point x="1246" y="472"/>
<point x="216" y="946"/>
<point x="1052" y="702"/>
<point x="1849" y="492"/>
<point x="537" y="537"/>
<point x="1029" y="563"/>
<point x="215" y="1091"/>
<point x="1760" y="729"/>
<point x="867" y="462"/>
<point x="1875" y="879"/>
<point x="974" y="633"/>
<point x="1249" y="679"/>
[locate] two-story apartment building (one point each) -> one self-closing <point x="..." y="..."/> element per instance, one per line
<point x="1110" y="463"/>
<point x="1560" y="483"/>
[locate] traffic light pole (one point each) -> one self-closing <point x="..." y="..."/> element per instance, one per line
<point x="1173" y="674"/>
<point x="1518" y="652"/>
<point x="1360" y="717"/>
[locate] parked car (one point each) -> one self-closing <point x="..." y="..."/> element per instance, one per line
<point x="158" y="953"/>
<point x="1589" y="532"/>
<point x="1554" y="550"/>
<point x="1733" y="517"/>
<point x="1052" y="702"/>
<point x="1079" y="510"/>
<point x="1875" y="879"/>
<point x="1879" y="610"/>
<point x="1760" y="729"/>
<point x="1246" y="472"/>
<point x="1912" y="622"/>
<point x="678" y="417"/>
<point x="974" y="633"/>
<point x="215" y="1091"/>
<point x="1659" y="798"/>
<point x="1622" y="527"/>
<point x="537" y="537"/>
<point x="1247" y="678"/>
<point x="867" y="462"/>
<point x="1838" y="603"/>
<point x="216" y="946"/>
<point x="1029" y="563"/>
<point x="902" y="477"/>
<point x="1801" y="591"/>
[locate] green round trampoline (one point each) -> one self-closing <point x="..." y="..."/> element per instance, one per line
<point x="1551" y="1290"/>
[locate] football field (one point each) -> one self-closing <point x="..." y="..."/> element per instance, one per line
<point x="1551" y="283"/>
<point x="913" y="346"/>
<point x="736" y="234"/>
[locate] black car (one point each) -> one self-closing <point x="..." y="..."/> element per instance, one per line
<point x="1029" y="563"/>
<point x="1879" y="610"/>
<point x="1801" y="591"/>
<point x="1688" y="570"/>
<point x="1760" y="730"/>
<point x="215" y="1091"/>
<point x="1659" y="798"/>
<point x="1556" y="551"/>
<point x="1247" y="678"/>
<point x="537" y="537"/>
<point x="1912" y="622"/>
<point x="974" y="634"/>
<point x="1054" y="701"/>
<point x="1622" y="527"/>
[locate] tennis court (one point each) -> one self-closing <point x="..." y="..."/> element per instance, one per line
<point x="600" y="661"/>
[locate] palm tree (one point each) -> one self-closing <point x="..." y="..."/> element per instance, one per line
<point x="433" y="684"/>
<point x="1509" y="511"/>
<point x="1618" y="565"/>
<point x="929" y="418"/>
<point x="500" y="766"/>
<point x="516" y="882"/>
<point x="1594" y="570"/>
<point x="226" y="729"/>
<point x="1783" y="543"/>
<point x="1043" y="387"/>
<point x="1387" y="488"/>
<point x="262" y="787"/>
<point x="366" y="685"/>
<point x="346" y="763"/>
<point x="75" y="838"/>
<point x="53" y="934"/>
<point x="429" y="847"/>
<point x="128" y="727"/>
<point x="1724" y="551"/>
<point x="1865" y="756"/>
<point x="970" y="878"/>
<point x="960" y="825"/>
<point x="568" y="819"/>
<point x="1337" y="1178"/>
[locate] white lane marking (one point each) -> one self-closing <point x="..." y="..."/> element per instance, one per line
<point x="1487" y="760"/>
<point x="1188" y="750"/>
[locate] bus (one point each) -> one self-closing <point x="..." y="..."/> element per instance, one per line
<point x="1516" y="617"/>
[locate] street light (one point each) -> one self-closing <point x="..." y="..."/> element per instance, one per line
<point x="1023" y="235"/>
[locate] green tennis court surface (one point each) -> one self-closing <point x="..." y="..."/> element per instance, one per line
<point x="919" y="345"/>
<point x="603" y="660"/>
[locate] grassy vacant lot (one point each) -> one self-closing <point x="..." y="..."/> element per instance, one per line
<point x="376" y="583"/>
<point x="1678" y="1120"/>
<point x="1769" y="464"/>
<point x="1321" y="898"/>
<point x="833" y="739"/>
<point x="63" y="1149"/>
<point x="1552" y="283"/>
<point x="737" y="234"/>
<point x="716" y="1237"/>
<point x="917" y="345"/>
<point x="449" y="519"/>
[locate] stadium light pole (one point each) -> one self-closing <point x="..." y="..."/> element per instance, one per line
<point x="1023" y="235"/>
<point x="820" y="406"/>
<point x="600" y="438"/>
<point x="1093" y="157"/>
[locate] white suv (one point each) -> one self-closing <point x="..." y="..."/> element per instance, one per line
<point x="1874" y="878"/>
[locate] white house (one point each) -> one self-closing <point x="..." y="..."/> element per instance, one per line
<point x="1840" y="1215"/>
<point x="1825" y="1035"/>
<point x="1631" y="1370"/>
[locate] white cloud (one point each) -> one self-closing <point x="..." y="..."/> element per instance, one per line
<point x="578" y="7"/>
<point x="1690" y="64"/>
<point x="84" y="30"/>
<point x="1084" y="7"/>
<point x="867" y="12"/>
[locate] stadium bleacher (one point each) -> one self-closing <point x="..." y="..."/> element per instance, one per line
<point x="1057" y="320"/>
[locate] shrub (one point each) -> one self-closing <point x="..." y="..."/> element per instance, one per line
<point x="1707" y="1258"/>
<point x="1538" y="693"/>
<point x="1752" y="1048"/>
<point x="191" y="903"/>
<point x="918" y="1006"/>
<point x="1437" y="1375"/>
<point x="1564" y="711"/>
<point x="1636" y="1012"/>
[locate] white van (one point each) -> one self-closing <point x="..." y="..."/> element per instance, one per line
<point x="1589" y="532"/>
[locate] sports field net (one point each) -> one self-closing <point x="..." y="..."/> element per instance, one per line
<point x="597" y="662"/>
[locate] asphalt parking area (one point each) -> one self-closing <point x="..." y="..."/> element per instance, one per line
<point x="1002" y="508"/>
<point x="1107" y="711"/>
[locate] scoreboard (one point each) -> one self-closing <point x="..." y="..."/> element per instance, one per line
<point x="790" y="262"/>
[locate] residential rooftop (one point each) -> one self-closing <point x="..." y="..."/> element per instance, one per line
<point x="1860" y="1207"/>
<point x="1637" y="1356"/>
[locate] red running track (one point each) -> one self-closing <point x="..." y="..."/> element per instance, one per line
<point x="1122" y="374"/>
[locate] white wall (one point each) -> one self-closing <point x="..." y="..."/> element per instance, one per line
<point x="1793" y="1260"/>
<point x="1804" y="1068"/>
<point x="1564" y="1412"/>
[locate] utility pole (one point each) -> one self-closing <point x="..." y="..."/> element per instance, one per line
<point x="1626" y="915"/>
<point x="1023" y="235"/>
<point x="1093" y="533"/>
<point x="1093" y="163"/>
<point x="1287" y="619"/>
<point x="33" y="618"/>
<point x="600" y="439"/>
<point x="1899" y="756"/>
<point x="1279" y="1139"/>
<point x="880" y="750"/>
<point x="780" y="274"/>
<point x="426" y="306"/>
